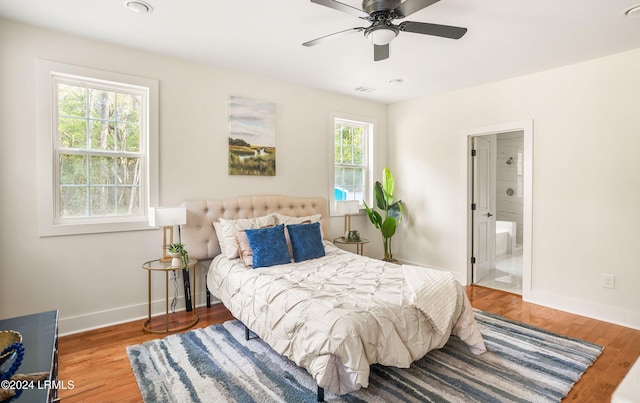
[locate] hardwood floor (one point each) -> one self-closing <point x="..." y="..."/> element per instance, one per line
<point x="621" y="344"/>
<point x="98" y="364"/>
<point x="97" y="361"/>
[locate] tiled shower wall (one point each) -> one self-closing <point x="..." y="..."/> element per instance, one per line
<point x="509" y="179"/>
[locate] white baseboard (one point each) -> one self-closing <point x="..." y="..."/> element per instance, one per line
<point x="115" y="316"/>
<point x="622" y="317"/>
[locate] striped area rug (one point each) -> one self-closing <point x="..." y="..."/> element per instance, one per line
<point x="216" y="364"/>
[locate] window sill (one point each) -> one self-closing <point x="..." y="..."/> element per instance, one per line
<point x="97" y="228"/>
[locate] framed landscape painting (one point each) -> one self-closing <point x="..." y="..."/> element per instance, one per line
<point x="252" y="137"/>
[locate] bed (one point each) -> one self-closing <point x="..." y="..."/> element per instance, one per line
<point x="334" y="314"/>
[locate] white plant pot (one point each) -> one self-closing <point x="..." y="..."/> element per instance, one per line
<point x="175" y="260"/>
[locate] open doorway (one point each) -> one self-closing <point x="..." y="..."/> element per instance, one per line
<point x="500" y="206"/>
<point x="499" y="210"/>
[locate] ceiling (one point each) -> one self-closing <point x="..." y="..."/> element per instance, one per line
<point x="506" y="38"/>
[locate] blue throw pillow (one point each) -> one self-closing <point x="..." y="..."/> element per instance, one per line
<point x="269" y="246"/>
<point x="306" y="241"/>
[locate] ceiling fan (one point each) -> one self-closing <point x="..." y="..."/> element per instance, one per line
<point x="381" y="13"/>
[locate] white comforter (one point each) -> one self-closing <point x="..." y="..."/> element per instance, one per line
<point x="337" y="315"/>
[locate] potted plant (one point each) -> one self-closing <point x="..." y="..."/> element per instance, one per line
<point x="392" y="210"/>
<point x="179" y="254"/>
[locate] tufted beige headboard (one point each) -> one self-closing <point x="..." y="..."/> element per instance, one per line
<point x="200" y="239"/>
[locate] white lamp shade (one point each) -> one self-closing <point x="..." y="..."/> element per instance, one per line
<point x="348" y="207"/>
<point x="167" y="216"/>
<point x="381" y="36"/>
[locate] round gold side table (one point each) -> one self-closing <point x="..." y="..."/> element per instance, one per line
<point x="158" y="266"/>
<point x="359" y="244"/>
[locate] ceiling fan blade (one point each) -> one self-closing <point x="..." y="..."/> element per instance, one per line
<point x="380" y="52"/>
<point x="445" y="31"/>
<point x="333" y="36"/>
<point x="336" y="5"/>
<point x="411" y="6"/>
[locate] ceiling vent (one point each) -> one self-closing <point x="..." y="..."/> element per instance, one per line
<point x="364" y="89"/>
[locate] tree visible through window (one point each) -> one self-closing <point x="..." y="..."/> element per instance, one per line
<point x="350" y="160"/>
<point x="98" y="149"/>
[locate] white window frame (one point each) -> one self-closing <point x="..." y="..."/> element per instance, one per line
<point x="48" y="176"/>
<point x="334" y="210"/>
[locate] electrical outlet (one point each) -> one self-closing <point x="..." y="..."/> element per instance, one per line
<point x="608" y="280"/>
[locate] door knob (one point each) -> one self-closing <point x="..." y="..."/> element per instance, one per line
<point x="489" y="214"/>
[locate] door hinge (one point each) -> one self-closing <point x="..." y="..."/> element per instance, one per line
<point x="473" y="206"/>
<point x="473" y="153"/>
<point x="473" y="260"/>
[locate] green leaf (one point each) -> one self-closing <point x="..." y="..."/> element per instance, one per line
<point x="395" y="210"/>
<point x="377" y="219"/>
<point x="374" y="216"/>
<point x="387" y="185"/>
<point x="388" y="227"/>
<point x="381" y="200"/>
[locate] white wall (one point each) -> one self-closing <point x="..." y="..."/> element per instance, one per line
<point x="586" y="175"/>
<point x="586" y="179"/>
<point x="95" y="280"/>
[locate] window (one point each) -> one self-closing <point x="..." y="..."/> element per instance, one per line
<point x="98" y="138"/>
<point x="352" y="160"/>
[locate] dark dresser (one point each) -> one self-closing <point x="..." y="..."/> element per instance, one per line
<point x="40" y="340"/>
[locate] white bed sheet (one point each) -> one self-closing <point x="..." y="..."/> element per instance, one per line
<point x="336" y="315"/>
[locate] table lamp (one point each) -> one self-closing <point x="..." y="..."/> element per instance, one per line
<point x="167" y="217"/>
<point x="348" y="207"/>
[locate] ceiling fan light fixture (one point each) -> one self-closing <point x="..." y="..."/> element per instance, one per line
<point x="381" y="34"/>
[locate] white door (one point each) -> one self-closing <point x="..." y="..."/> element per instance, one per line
<point x="484" y="206"/>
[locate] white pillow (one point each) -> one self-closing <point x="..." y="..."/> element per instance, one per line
<point x="218" y="228"/>
<point x="286" y="220"/>
<point x="231" y="227"/>
<point x="245" y="251"/>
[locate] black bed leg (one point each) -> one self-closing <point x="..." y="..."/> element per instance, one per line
<point x="320" y="394"/>
<point x="208" y="293"/>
